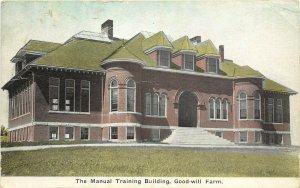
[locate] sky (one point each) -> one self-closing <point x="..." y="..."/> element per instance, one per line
<point x="261" y="34"/>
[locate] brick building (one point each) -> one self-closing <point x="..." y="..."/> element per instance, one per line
<point x="99" y="87"/>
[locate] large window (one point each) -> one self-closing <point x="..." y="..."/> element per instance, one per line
<point x="130" y="98"/>
<point x="278" y="111"/>
<point x="156" y="105"/>
<point x="164" y="58"/>
<point x="113" y="132"/>
<point x="130" y="133"/>
<point x="84" y="133"/>
<point x="243" y="105"/>
<point x="270" y="110"/>
<point x="69" y="133"/>
<point x="213" y="65"/>
<point x="218" y="109"/>
<point x="54" y="93"/>
<point x="148" y="103"/>
<point x="211" y="108"/>
<point x="257" y="105"/>
<point x="85" y="96"/>
<point x="114" y="94"/>
<point x="70" y="95"/>
<point x="53" y="133"/>
<point x="188" y="62"/>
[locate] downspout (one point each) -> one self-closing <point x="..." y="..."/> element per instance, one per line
<point x="233" y="108"/>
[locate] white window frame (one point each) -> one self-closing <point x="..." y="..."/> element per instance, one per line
<point x="240" y="137"/>
<point x="214" y="106"/>
<point x="259" y="105"/>
<point x="268" y="110"/>
<point x="155" y="94"/>
<point x="51" y="136"/>
<point x="246" y="100"/>
<point x="184" y="62"/>
<point x="150" y="110"/>
<point x="74" y="94"/>
<point x="58" y="98"/>
<point x="220" y="107"/>
<point x="165" y="109"/>
<point x="110" y="133"/>
<point x="226" y="101"/>
<point x="259" y="133"/>
<point x="217" y="65"/>
<point x="110" y="92"/>
<point x="73" y="133"/>
<point x="169" y="58"/>
<point x="134" y="93"/>
<point x="89" y="103"/>
<point x="281" y="110"/>
<point x="134" y="135"/>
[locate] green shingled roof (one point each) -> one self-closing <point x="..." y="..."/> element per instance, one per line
<point x="41" y="46"/>
<point x="183" y="44"/>
<point x="270" y="85"/>
<point x="233" y="70"/>
<point x="80" y="54"/>
<point x="206" y="48"/>
<point x="158" y="39"/>
<point x="133" y="50"/>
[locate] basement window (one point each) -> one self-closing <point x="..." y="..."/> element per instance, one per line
<point x="130" y="133"/>
<point x="69" y="133"/>
<point x="113" y="133"/>
<point x="243" y="137"/>
<point x="84" y="133"/>
<point x="53" y="133"/>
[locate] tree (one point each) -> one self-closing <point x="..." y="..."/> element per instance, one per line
<point x="4" y="131"/>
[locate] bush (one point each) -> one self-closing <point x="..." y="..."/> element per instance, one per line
<point x="4" y="131"/>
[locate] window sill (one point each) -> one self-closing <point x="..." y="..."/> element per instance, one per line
<point x="151" y="116"/>
<point x="126" y="112"/>
<point x="218" y="119"/>
<point x="67" y="112"/>
<point x="273" y="123"/>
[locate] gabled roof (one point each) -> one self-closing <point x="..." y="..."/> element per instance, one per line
<point x="183" y="44"/>
<point x="158" y="39"/>
<point x="40" y="46"/>
<point x="206" y="48"/>
<point x="79" y="54"/>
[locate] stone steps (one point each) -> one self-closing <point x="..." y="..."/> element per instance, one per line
<point x="194" y="136"/>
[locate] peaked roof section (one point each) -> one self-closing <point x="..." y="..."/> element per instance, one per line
<point x="79" y="54"/>
<point x="41" y="46"/>
<point x="233" y="70"/>
<point x="158" y="39"/>
<point x="206" y="48"/>
<point x="183" y="44"/>
<point x="132" y="50"/>
<point x="270" y="85"/>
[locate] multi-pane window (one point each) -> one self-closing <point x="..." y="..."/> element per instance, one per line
<point x="188" y="62"/>
<point x="69" y="133"/>
<point x="257" y="136"/>
<point x="224" y="109"/>
<point x="162" y="105"/>
<point x="130" y="133"/>
<point x="130" y="98"/>
<point x="84" y="133"/>
<point x="114" y="95"/>
<point x="243" y="105"/>
<point x="243" y="136"/>
<point x="70" y="95"/>
<point x="85" y="96"/>
<point x="148" y="104"/>
<point x="270" y="110"/>
<point x="218" y="109"/>
<point x="53" y="133"/>
<point x="164" y="58"/>
<point x="19" y="102"/>
<point x="257" y="105"/>
<point x="213" y="65"/>
<point x="155" y="104"/>
<point x="54" y="93"/>
<point x="279" y="111"/>
<point x="113" y="132"/>
<point x="211" y="108"/>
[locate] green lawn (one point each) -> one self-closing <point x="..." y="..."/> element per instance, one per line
<point x="132" y="161"/>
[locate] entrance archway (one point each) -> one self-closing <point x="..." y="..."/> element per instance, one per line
<point x="187" y="110"/>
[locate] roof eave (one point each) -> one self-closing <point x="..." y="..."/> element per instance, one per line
<point x="142" y="63"/>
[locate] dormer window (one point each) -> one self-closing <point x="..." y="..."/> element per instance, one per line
<point x="188" y="62"/>
<point x="164" y="58"/>
<point x="213" y="64"/>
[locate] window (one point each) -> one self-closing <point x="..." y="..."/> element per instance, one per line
<point x="148" y="104"/>
<point x="257" y="106"/>
<point x="130" y="99"/>
<point x="114" y="133"/>
<point x="213" y="65"/>
<point x="70" y="95"/>
<point x="218" y="109"/>
<point x="164" y="58"/>
<point x="188" y="62"/>
<point x="270" y="110"/>
<point x="219" y="134"/>
<point x="69" y="133"/>
<point x="155" y="133"/>
<point x="243" y="105"/>
<point x="271" y="138"/>
<point x="114" y="95"/>
<point x="53" y="133"/>
<point x="54" y="94"/>
<point x="84" y="133"/>
<point x="257" y="136"/>
<point x="130" y="133"/>
<point x="224" y="109"/>
<point x="155" y="104"/>
<point x="85" y="96"/>
<point x="278" y="111"/>
<point x="211" y="108"/>
<point x="162" y="105"/>
<point x="243" y="137"/>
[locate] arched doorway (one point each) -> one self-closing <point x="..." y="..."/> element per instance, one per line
<point x="187" y="110"/>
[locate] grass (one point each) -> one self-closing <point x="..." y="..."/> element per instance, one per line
<point x="132" y="161"/>
<point x="5" y="144"/>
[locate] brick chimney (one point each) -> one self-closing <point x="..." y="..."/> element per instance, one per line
<point x="196" y="40"/>
<point x="107" y="27"/>
<point x="221" y="51"/>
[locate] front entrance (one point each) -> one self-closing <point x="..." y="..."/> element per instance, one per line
<point x="187" y="110"/>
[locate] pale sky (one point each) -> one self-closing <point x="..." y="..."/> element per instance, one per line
<point x="261" y="34"/>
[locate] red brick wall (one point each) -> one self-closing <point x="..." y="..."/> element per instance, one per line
<point x="178" y="60"/>
<point x="154" y="55"/>
<point x="201" y="63"/>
